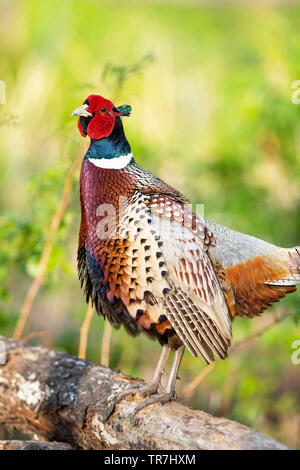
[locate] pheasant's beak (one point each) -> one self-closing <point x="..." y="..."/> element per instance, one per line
<point x="81" y="111"/>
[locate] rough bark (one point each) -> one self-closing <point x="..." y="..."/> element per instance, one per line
<point x="62" y="398"/>
<point x="33" y="445"/>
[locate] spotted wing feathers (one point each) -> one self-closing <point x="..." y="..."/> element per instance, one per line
<point x="195" y="304"/>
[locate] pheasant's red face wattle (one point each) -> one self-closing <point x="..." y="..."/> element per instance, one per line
<point x="102" y="120"/>
<point x="97" y="116"/>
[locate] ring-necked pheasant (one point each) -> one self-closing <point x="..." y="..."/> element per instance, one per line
<point x="149" y="263"/>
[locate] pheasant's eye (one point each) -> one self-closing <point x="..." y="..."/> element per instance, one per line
<point x="102" y="110"/>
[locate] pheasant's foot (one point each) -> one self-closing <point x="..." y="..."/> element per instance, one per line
<point x="160" y="398"/>
<point x="144" y="391"/>
<point x="169" y="392"/>
<point x="154" y="383"/>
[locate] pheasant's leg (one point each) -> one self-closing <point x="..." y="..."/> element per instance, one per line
<point x="154" y="383"/>
<point x="159" y="369"/>
<point x="169" y="392"/>
<point x="171" y="383"/>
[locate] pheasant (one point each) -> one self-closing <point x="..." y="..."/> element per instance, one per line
<point x="149" y="263"/>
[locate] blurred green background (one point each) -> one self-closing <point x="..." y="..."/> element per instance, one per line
<point x="212" y="115"/>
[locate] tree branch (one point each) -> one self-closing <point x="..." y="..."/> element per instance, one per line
<point x="66" y="399"/>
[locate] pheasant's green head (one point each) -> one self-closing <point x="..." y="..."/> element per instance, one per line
<point x="97" y="116"/>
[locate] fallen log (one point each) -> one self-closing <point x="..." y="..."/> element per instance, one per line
<point x="33" y="445"/>
<point x="57" y="397"/>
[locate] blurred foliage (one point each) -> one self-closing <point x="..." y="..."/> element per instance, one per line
<point x="212" y="116"/>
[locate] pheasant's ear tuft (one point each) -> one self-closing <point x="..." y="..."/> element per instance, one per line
<point x="124" y="110"/>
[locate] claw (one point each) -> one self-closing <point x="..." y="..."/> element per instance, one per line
<point x="160" y="398"/>
<point x="143" y="391"/>
<point x="127" y="393"/>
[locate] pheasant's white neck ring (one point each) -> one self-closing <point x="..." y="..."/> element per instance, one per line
<point x="116" y="163"/>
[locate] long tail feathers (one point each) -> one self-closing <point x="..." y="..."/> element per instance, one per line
<point x="293" y="275"/>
